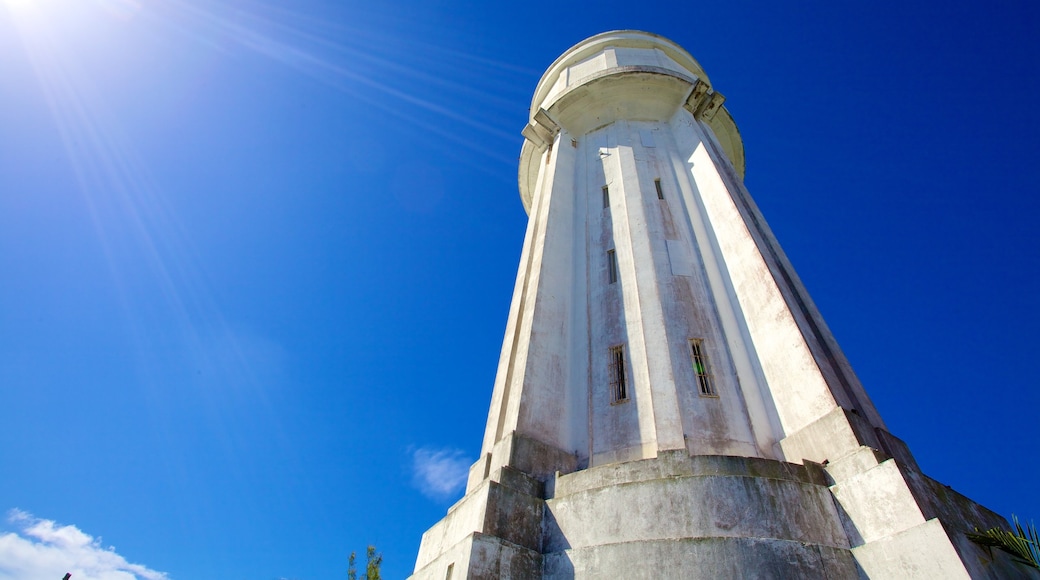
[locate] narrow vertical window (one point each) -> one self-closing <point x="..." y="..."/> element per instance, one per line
<point x="660" y="192"/>
<point x="606" y="197"/>
<point x="618" y="375"/>
<point x="701" y="369"/>
<point x="451" y="569"/>
<point x="612" y="266"/>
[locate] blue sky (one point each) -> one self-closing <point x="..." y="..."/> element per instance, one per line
<point x="256" y="257"/>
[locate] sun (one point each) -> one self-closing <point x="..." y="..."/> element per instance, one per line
<point x="17" y="4"/>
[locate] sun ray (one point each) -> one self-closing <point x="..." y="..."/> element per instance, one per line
<point x="132" y="220"/>
<point x="298" y="56"/>
<point x="136" y="227"/>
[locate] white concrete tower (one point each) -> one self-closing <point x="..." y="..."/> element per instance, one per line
<point x="669" y="402"/>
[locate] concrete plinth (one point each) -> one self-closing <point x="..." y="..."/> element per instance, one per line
<point x="676" y="516"/>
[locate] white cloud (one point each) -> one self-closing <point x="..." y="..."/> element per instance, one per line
<point x="439" y="473"/>
<point x="46" y="550"/>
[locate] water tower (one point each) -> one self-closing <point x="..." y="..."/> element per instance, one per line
<point x="669" y="402"/>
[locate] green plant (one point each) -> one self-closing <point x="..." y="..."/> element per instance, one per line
<point x="373" y="562"/>
<point x="1024" y="546"/>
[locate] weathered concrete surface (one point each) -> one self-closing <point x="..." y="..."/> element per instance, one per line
<point x="643" y="240"/>
<point x="903" y="524"/>
<point x="703" y="558"/>
<point x="507" y="506"/>
<point x="678" y="497"/>
<point x="922" y="552"/>
<point x="704" y="513"/>
<point x="830" y="437"/>
<point x="677" y="516"/>
<point x="483" y="557"/>
<point x="643" y="237"/>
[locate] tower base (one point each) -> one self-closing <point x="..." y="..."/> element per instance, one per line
<point x="676" y="516"/>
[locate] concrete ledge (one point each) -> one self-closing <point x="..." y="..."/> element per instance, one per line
<point x="679" y="464"/>
<point x="529" y="455"/>
<point x="877" y="503"/>
<point x="462" y="519"/>
<point x="482" y="557"/>
<point x="633" y="453"/>
<point x="703" y="559"/>
<point x="513" y="516"/>
<point x="495" y="559"/>
<point x="518" y="480"/>
<point x="855" y="463"/>
<point x="903" y="524"/>
<point x="676" y="496"/>
<point x="829" y="438"/>
<point x="922" y="552"/>
<point x="492" y="508"/>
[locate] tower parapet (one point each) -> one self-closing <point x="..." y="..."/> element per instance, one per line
<point x="669" y="402"/>
<point x="646" y="74"/>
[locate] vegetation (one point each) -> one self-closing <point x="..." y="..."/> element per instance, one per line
<point x="1024" y="546"/>
<point x="373" y="562"/>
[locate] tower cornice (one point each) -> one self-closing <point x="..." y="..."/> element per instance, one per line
<point x="613" y="39"/>
<point x="639" y="64"/>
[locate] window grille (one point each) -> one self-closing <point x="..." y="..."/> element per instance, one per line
<point x="701" y="369"/>
<point x="618" y="375"/>
<point x="612" y="265"/>
<point x="660" y="192"/>
<point x="606" y="197"/>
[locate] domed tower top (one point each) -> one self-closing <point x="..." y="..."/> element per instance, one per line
<point x="643" y="75"/>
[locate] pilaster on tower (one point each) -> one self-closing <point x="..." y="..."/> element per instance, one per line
<point x="669" y="401"/>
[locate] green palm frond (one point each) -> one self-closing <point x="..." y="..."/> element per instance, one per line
<point x="1024" y="546"/>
